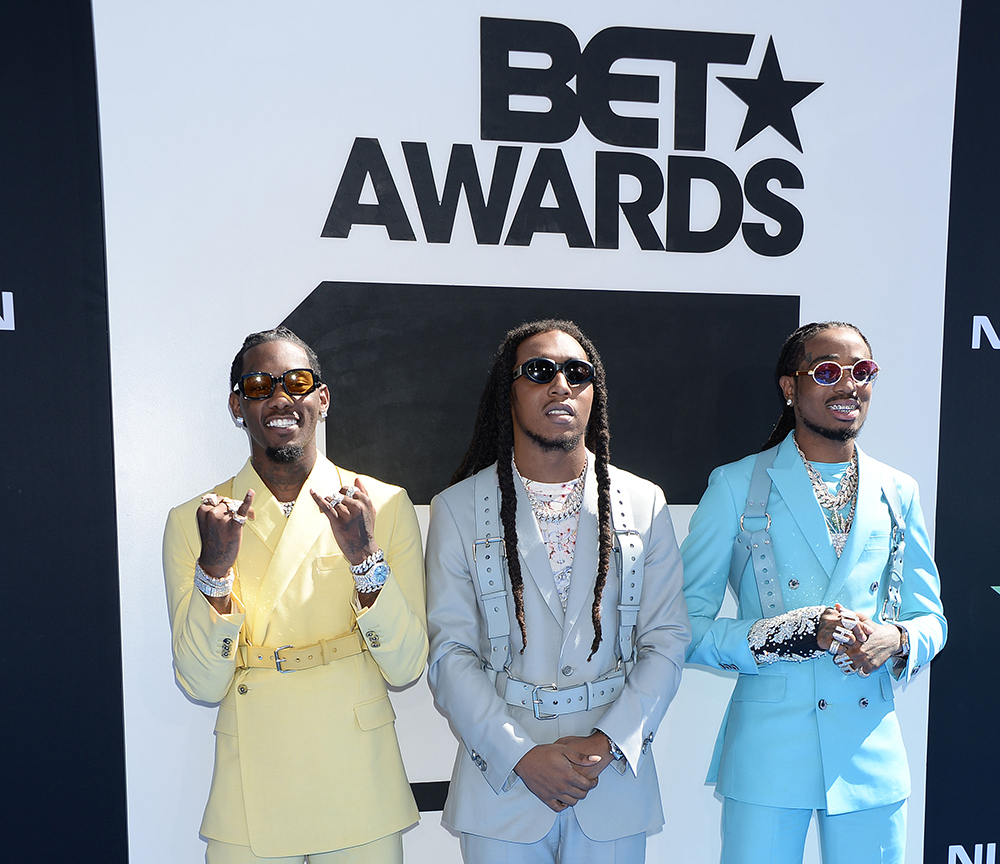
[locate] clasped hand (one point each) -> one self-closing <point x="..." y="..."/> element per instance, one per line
<point x="867" y="645"/>
<point x="562" y="773"/>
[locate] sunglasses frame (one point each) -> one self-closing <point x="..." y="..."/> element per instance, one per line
<point x="870" y="380"/>
<point x="238" y="388"/>
<point x="560" y="367"/>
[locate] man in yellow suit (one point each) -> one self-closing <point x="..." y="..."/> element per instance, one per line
<point x="296" y="592"/>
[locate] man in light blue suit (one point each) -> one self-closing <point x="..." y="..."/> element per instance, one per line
<point x="557" y="623"/>
<point x="837" y="594"/>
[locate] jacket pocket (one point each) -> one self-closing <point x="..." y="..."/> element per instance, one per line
<point x="759" y="688"/>
<point x="373" y="714"/>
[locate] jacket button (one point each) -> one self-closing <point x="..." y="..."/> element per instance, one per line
<point x="793" y="583"/>
<point x="873" y="587"/>
<point x="567" y="671"/>
<point x="822" y="704"/>
<point x="863" y="702"/>
<point x="242" y="689"/>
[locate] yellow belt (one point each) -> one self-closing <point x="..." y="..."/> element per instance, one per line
<point x="290" y="659"/>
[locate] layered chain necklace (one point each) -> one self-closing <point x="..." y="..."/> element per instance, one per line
<point x="838" y="525"/>
<point x="550" y="510"/>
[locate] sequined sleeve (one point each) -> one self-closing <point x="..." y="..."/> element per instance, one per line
<point x="790" y="636"/>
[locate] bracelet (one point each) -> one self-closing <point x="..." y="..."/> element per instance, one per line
<point x="209" y="585"/>
<point x="616" y="751"/>
<point x="903" y="650"/>
<point x="373" y="580"/>
<point x="368" y="563"/>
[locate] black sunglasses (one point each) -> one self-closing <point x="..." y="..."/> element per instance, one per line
<point x="260" y="385"/>
<point x="541" y="370"/>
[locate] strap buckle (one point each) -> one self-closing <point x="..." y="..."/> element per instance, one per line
<point x="535" y="701"/>
<point x="487" y="542"/>
<point x="893" y="601"/>
<point x="278" y="660"/>
<point x="767" y="515"/>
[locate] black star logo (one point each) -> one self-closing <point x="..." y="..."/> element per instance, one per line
<point x="770" y="100"/>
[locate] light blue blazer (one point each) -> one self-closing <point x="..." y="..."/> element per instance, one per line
<point x="486" y="796"/>
<point x="806" y="735"/>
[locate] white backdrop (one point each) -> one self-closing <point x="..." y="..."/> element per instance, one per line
<point x="225" y="129"/>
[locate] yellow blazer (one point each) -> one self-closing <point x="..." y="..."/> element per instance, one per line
<point x="304" y="762"/>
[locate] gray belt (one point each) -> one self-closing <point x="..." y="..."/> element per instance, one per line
<point x="547" y="701"/>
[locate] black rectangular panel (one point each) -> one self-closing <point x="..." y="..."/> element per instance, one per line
<point x="407" y="364"/>
<point x="64" y="756"/>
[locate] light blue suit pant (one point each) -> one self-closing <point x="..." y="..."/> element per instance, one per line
<point x="565" y="843"/>
<point x="754" y="834"/>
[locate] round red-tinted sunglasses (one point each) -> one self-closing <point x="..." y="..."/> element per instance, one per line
<point x="829" y="373"/>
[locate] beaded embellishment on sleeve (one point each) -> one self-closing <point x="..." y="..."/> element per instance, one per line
<point x="790" y="636"/>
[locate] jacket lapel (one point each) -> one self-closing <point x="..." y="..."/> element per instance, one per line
<point x="792" y="482"/>
<point x="581" y="587"/>
<point x="534" y="555"/>
<point x="866" y="518"/>
<point x="290" y="544"/>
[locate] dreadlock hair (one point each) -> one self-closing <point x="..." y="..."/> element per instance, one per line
<point x="793" y="352"/>
<point x="279" y="334"/>
<point x="493" y="441"/>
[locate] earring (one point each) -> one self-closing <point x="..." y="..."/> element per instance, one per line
<point x="239" y="422"/>
<point x="322" y="415"/>
<point x="788" y="401"/>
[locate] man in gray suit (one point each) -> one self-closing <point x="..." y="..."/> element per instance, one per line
<point x="536" y="531"/>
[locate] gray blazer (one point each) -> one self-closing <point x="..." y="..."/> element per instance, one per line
<point x="486" y="797"/>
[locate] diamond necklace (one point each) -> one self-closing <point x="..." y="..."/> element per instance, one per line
<point x="837" y="525"/>
<point x="549" y="511"/>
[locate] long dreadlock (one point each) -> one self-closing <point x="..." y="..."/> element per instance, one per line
<point x="793" y="352"/>
<point x="493" y="441"/>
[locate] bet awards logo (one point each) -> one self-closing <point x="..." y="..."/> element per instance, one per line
<point x="571" y="87"/>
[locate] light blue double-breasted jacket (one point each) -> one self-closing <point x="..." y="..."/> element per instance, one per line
<point x="804" y="734"/>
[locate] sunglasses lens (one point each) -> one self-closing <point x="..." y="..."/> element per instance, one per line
<point x="540" y="370"/>
<point x="578" y="371"/>
<point x="298" y="382"/>
<point x="827" y="373"/>
<point x="260" y="385"/>
<point x="865" y="371"/>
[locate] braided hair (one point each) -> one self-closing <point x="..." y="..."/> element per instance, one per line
<point x="493" y="441"/>
<point x="793" y="352"/>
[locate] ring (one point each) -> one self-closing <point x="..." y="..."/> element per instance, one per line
<point x="350" y="491"/>
<point x="232" y="506"/>
<point x="239" y="520"/>
<point x="843" y="635"/>
<point x="210" y="499"/>
<point x="844" y="662"/>
<point x="862" y="673"/>
<point x="848" y="621"/>
<point x="334" y="499"/>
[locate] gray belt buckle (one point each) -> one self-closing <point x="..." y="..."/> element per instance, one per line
<point x="535" y="701"/>
<point x="487" y="542"/>
<point x="278" y="661"/>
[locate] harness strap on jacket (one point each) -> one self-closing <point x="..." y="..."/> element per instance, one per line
<point x="631" y="560"/>
<point x="756" y="543"/>
<point x="491" y="571"/>
<point x="894" y="589"/>
<point x="491" y="579"/>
